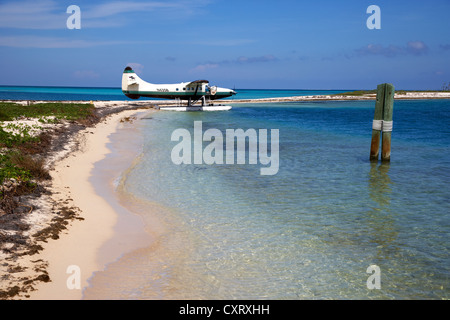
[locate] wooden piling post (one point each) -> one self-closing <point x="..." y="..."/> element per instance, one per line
<point x="382" y="122"/>
<point x="388" y="109"/>
<point x="377" y="123"/>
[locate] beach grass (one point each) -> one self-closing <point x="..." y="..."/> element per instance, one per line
<point x="60" y="110"/>
<point x="19" y="146"/>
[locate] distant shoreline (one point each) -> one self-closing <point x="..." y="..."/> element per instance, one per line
<point x="350" y="96"/>
<point x="404" y="95"/>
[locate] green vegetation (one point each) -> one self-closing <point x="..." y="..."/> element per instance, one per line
<point x="19" y="143"/>
<point x="9" y="170"/>
<point x="69" y="111"/>
<point x="367" y="92"/>
<point x="357" y="93"/>
<point x="16" y="135"/>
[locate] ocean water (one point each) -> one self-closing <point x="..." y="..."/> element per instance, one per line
<point x="115" y="94"/>
<point x="224" y="231"/>
<point x="308" y="232"/>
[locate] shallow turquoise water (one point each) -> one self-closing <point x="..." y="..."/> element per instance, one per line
<point x="308" y="232"/>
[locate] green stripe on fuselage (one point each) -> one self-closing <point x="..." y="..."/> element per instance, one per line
<point x="175" y="95"/>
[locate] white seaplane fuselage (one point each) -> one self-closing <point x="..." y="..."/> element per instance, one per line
<point x="134" y="88"/>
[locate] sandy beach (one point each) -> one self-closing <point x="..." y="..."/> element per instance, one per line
<point x="78" y="250"/>
<point x="63" y="263"/>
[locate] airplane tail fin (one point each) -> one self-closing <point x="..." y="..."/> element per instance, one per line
<point x="130" y="83"/>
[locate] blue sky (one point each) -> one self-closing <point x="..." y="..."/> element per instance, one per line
<point x="243" y="44"/>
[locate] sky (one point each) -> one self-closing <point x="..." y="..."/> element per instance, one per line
<point x="242" y="44"/>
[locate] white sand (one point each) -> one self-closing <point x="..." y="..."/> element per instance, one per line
<point x="78" y="248"/>
<point x="399" y="96"/>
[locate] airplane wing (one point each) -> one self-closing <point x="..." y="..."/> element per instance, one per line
<point x="198" y="82"/>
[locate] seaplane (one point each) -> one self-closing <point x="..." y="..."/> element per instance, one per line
<point x="198" y="94"/>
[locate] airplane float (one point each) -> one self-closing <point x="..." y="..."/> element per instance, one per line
<point x="200" y="90"/>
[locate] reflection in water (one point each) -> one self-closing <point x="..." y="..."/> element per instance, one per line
<point x="379" y="184"/>
<point x="380" y="218"/>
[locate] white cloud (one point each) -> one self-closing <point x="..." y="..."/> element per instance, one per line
<point x="41" y="42"/>
<point x="204" y="67"/>
<point x="412" y="47"/>
<point x="52" y="42"/>
<point x="266" y="58"/>
<point x="238" y="61"/>
<point x="120" y="7"/>
<point x="416" y="47"/>
<point x="46" y="14"/>
<point x="49" y="14"/>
